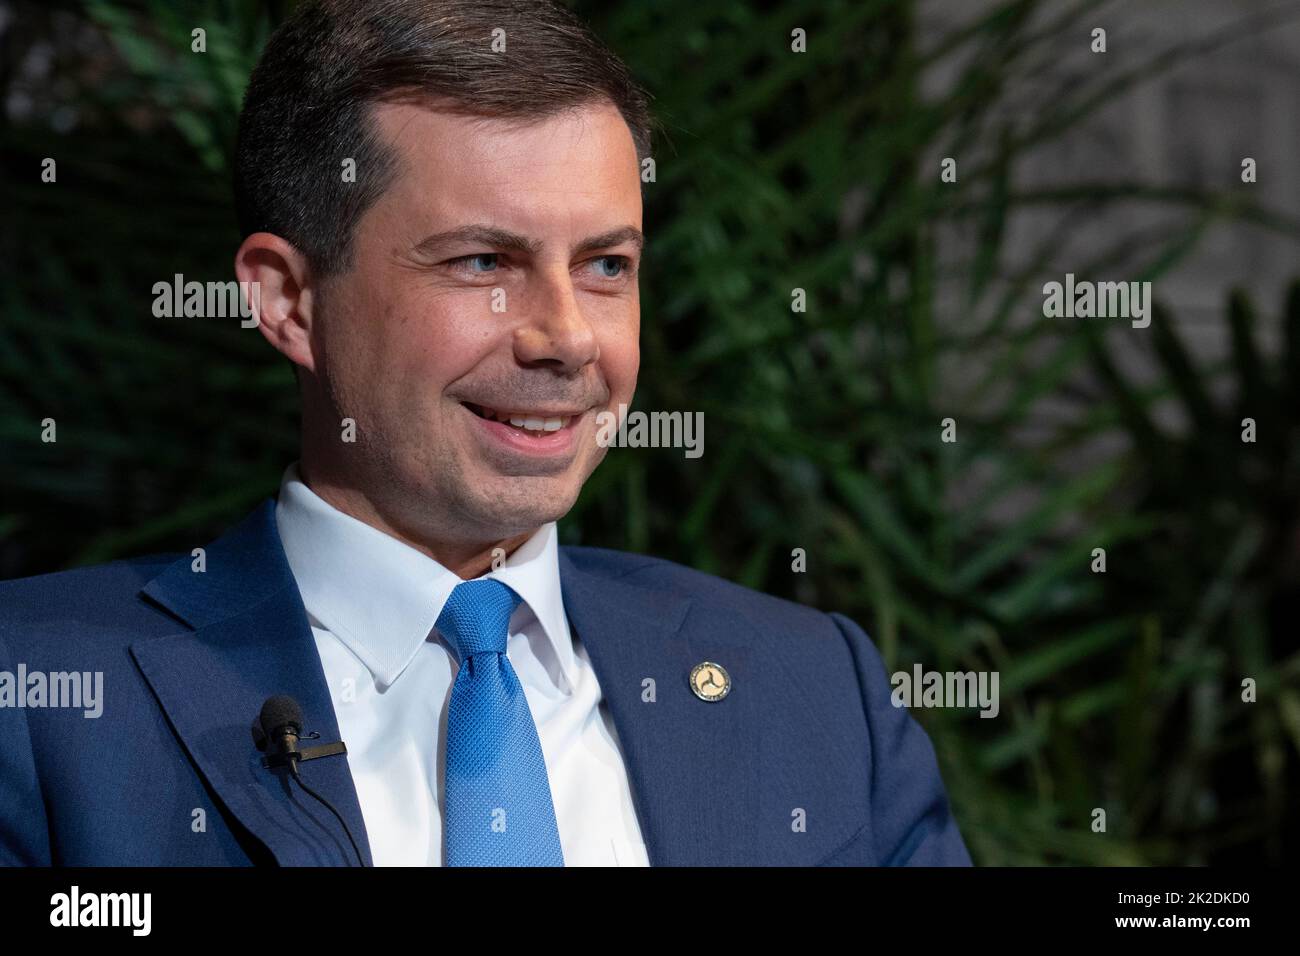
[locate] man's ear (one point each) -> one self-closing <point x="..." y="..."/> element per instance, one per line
<point x="282" y="296"/>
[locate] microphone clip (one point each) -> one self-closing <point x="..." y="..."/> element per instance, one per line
<point x="306" y="753"/>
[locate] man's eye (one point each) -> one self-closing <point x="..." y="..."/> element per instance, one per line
<point x="612" y="267"/>
<point x="488" y="261"/>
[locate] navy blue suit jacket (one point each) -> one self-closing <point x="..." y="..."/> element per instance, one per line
<point x="807" y="732"/>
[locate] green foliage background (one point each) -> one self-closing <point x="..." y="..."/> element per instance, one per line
<point x="1119" y="690"/>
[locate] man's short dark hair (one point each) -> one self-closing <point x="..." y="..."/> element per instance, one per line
<point x="308" y="103"/>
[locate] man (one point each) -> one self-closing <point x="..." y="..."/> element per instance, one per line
<point x="441" y="204"/>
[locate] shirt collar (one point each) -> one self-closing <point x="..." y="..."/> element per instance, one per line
<point x="381" y="597"/>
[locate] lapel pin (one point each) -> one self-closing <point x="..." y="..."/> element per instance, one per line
<point x="710" y="681"/>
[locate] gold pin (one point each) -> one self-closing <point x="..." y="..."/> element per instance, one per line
<point x="710" y="681"/>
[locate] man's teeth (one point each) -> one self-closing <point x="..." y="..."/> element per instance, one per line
<point x="539" y="424"/>
<point x="528" y="424"/>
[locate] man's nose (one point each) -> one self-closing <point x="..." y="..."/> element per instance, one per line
<point x="556" y="333"/>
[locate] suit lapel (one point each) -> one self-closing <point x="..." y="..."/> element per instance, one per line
<point x="250" y="639"/>
<point x="692" y="764"/>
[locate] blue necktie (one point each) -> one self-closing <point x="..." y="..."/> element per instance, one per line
<point x="499" y="810"/>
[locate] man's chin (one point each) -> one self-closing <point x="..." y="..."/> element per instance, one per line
<point x="515" y="504"/>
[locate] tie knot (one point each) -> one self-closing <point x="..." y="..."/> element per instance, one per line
<point x="476" y="617"/>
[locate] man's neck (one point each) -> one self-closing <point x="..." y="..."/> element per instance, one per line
<point x="466" y="559"/>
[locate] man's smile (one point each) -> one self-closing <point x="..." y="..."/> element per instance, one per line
<point x="529" y="419"/>
<point x="549" y="434"/>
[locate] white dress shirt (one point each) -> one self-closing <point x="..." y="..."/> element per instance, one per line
<point x="372" y="602"/>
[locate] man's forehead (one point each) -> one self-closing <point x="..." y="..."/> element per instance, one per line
<point x="415" y="127"/>
<point x="578" y="167"/>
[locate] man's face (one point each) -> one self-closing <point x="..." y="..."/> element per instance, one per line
<point x="495" y="278"/>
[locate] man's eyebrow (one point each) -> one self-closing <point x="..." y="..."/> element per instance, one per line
<point x="615" y="237"/>
<point x="495" y="238"/>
